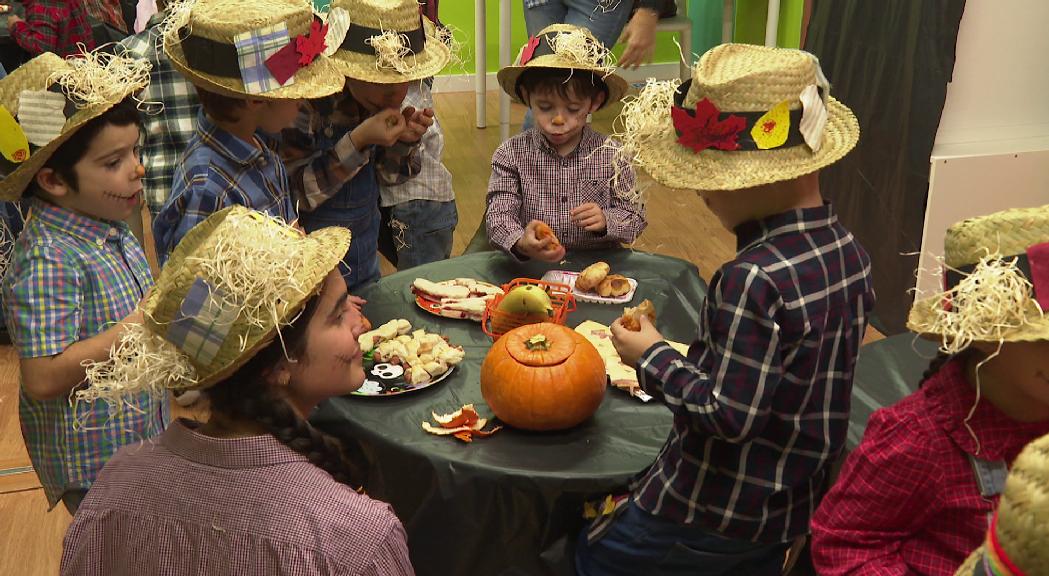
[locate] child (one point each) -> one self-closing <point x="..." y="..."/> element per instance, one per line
<point x="916" y="494"/>
<point x="561" y="172"/>
<point x="257" y="489"/>
<point x="761" y="401"/>
<point x="342" y="147"/>
<point x="232" y="158"/>
<point x="51" y="26"/>
<point x="77" y="272"/>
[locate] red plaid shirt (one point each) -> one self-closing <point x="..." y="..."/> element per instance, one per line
<point x="907" y="501"/>
<point x="107" y="11"/>
<point x="53" y="26"/>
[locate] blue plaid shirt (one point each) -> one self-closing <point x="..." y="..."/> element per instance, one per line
<point x="761" y="402"/>
<point x="220" y="170"/>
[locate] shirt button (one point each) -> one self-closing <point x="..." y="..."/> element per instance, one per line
<point x="113" y="232"/>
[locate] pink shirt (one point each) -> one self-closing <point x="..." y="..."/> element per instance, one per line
<point x="186" y="503"/>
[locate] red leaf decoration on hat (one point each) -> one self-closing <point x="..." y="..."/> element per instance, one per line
<point x="703" y="130"/>
<point x="283" y="64"/>
<point x="1038" y="261"/>
<point x="309" y="47"/>
<point x="529" y="49"/>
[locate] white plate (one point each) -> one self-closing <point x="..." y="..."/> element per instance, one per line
<point x="569" y="278"/>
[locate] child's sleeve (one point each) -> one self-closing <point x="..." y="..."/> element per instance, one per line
<point x="502" y="214"/>
<point x="396" y="164"/>
<point x="39" y="32"/>
<point x="43" y="304"/>
<point x="199" y="197"/>
<point x="316" y="174"/>
<point x="886" y="492"/>
<point x="625" y="217"/>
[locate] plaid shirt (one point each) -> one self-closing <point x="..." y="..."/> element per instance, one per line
<point x="107" y="11"/>
<point x="218" y="170"/>
<point x="192" y="504"/>
<point x="761" y="403"/>
<point x="321" y="158"/>
<point x="70" y="278"/>
<point x="907" y="501"/>
<point x="53" y="26"/>
<point x="434" y="181"/>
<point x="167" y="132"/>
<point x="531" y="181"/>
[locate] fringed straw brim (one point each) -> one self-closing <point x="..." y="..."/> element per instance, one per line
<point x="617" y="86"/>
<point x="425" y="64"/>
<point x="922" y="319"/>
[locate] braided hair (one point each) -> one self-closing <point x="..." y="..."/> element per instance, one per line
<point x="245" y="396"/>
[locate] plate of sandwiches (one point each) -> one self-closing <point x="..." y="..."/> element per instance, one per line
<point x="596" y="283"/>
<point x="461" y="298"/>
<point x="401" y="360"/>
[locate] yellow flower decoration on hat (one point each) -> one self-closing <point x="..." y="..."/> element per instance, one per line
<point x="772" y="129"/>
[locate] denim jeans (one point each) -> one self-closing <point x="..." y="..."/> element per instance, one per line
<point x="639" y="543"/>
<point x="417" y="232"/>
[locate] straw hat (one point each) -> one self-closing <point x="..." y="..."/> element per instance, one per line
<point x="988" y="298"/>
<point x="228" y="287"/>
<point x="201" y="39"/>
<point x="566" y="47"/>
<point x="389" y="42"/>
<point x="89" y="84"/>
<point x="1016" y="542"/>
<point x="750" y="115"/>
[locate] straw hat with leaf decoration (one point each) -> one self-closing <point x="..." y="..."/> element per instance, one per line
<point x="564" y="47"/>
<point x="265" y="49"/>
<point x="225" y="292"/>
<point x="996" y="282"/>
<point x="750" y="115"/>
<point x="46" y="100"/>
<point x="1016" y="543"/>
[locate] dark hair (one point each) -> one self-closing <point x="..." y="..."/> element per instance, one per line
<point x="220" y="107"/>
<point x="124" y="113"/>
<point x="245" y="396"/>
<point x="940" y="360"/>
<point x="566" y="83"/>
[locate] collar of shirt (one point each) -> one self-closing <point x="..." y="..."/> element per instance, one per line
<point x="587" y="142"/>
<point x="247" y="452"/>
<point x="753" y="232"/>
<point x="92" y="230"/>
<point x="950" y="392"/>
<point x="232" y="147"/>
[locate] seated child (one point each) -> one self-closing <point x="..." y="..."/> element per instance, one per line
<point x="761" y="400"/>
<point x="915" y="496"/>
<point x="232" y="158"/>
<point x="51" y="26"/>
<point x="76" y="272"/>
<point x="561" y="172"/>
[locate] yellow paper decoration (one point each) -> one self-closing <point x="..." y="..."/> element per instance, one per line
<point x="770" y="131"/>
<point x="13" y="143"/>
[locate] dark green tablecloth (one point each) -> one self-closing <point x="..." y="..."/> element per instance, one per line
<point x="509" y="504"/>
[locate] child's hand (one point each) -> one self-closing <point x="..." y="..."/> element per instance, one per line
<point x="631" y="345"/>
<point x="537" y="249"/>
<point x="589" y="217"/>
<point x="417" y="121"/>
<point x="383" y="128"/>
<point x="12" y="20"/>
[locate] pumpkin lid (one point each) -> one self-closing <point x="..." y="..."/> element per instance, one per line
<point x="543" y="344"/>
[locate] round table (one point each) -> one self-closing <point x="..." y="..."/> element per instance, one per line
<point x="511" y="503"/>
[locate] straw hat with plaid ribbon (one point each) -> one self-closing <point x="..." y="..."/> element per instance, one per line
<point x="265" y="49"/>
<point x="565" y="47"/>
<point x="750" y="115"/>
<point x="1017" y="541"/>
<point x="46" y="100"/>
<point x="388" y="41"/>
<point x="996" y="282"/>
<point x="228" y="288"/>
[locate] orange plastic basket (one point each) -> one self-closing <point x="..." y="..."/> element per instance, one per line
<point x="496" y="322"/>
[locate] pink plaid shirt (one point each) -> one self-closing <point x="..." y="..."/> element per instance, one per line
<point x="187" y="503"/>
<point x="531" y="181"/>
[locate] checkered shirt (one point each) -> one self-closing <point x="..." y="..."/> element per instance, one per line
<point x="53" y="26"/>
<point x="168" y="132"/>
<point x="107" y="11"/>
<point x="761" y="402"/>
<point x="70" y="278"/>
<point x="907" y="500"/>
<point x="434" y="181"/>
<point x="531" y="181"/>
<point x="245" y="505"/>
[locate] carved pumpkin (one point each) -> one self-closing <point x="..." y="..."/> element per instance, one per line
<point x="543" y="377"/>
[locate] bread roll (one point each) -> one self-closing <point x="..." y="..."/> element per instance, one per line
<point x="632" y="316"/>
<point x="591" y="276"/>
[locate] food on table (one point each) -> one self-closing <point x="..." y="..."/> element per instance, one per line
<point x="545" y="234"/>
<point x="613" y="286"/>
<point x="387" y="331"/>
<point x="632" y="316"/>
<point x="458" y="298"/>
<point x="543" y="377"/>
<point x="527" y="299"/>
<point x="4" y="8"/>
<point x="591" y="276"/>
<point x="439" y="290"/>
<point x="425" y="355"/>
<point x="463" y="424"/>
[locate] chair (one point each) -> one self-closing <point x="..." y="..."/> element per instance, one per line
<point x="682" y="23"/>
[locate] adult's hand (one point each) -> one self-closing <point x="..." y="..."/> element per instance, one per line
<point x="640" y="38"/>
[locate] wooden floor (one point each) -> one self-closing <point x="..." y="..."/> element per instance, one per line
<point x="679" y="225"/>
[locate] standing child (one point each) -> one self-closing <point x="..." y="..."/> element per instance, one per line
<point x="761" y="401"/>
<point x="561" y="172"/>
<point x="76" y="273"/>
<point x="51" y="26"/>
<point x="234" y="52"/>
<point x="916" y="495"/>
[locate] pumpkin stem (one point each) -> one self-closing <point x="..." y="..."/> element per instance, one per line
<point x="537" y="342"/>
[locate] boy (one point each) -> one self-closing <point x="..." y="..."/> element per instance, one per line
<point x="342" y="147"/>
<point x="232" y="159"/>
<point x="761" y="401"/>
<point x="51" y="26"/>
<point x="76" y="273"/>
<point x="560" y="172"/>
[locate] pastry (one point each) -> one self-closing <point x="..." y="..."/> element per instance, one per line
<point x="632" y="316"/>
<point x="591" y="276"/>
<point x="613" y="286"/>
<point x="544" y="233"/>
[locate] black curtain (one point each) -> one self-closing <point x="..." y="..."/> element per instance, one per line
<point x="890" y="62"/>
